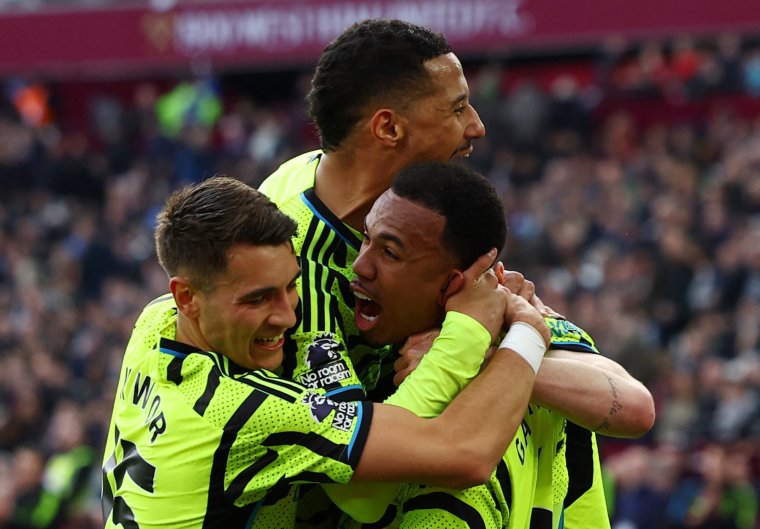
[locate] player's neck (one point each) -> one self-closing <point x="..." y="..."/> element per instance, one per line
<point x="348" y="185"/>
<point x="188" y="332"/>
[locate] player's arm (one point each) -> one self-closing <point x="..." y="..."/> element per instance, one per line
<point x="445" y="369"/>
<point x="453" y="360"/>
<point x="469" y="328"/>
<point x="594" y="392"/>
<point x="462" y="446"/>
<point x="589" y="389"/>
<point x="435" y="365"/>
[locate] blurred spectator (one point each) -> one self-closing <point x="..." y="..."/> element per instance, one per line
<point x="728" y="59"/>
<point x="30" y="101"/>
<point x="640" y="499"/>
<point x="720" y="494"/>
<point x="752" y="72"/>
<point x="687" y="64"/>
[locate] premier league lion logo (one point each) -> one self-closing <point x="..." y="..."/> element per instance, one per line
<point x="325" y="365"/>
<point x="323" y="350"/>
<point x="321" y="407"/>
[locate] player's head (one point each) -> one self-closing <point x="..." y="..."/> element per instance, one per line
<point x="434" y="222"/>
<point x="399" y="81"/>
<point x="227" y="250"/>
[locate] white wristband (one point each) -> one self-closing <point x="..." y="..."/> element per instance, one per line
<point x="526" y="341"/>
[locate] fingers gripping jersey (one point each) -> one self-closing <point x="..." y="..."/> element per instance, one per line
<point x="196" y="441"/>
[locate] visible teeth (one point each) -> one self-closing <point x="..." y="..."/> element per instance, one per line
<point x="368" y="318"/>
<point x="272" y="339"/>
<point x="362" y="296"/>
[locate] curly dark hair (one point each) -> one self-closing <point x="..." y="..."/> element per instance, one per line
<point x="474" y="213"/>
<point x="374" y="60"/>
<point x="200" y="223"/>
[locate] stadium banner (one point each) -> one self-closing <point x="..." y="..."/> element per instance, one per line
<point x="287" y="33"/>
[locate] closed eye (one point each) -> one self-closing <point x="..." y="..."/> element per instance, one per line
<point x="258" y="300"/>
<point x="390" y="254"/>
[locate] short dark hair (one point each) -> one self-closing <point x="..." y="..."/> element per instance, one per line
<point x="371" y="59"/>
<point x="200" y="223"/>
<point x="474" y="213"/>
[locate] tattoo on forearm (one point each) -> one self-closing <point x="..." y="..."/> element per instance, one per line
<point x="615" y="406"/>
<point x="613" y="387"/>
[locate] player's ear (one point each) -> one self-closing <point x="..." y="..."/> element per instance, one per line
<point x="500" y="272"/>
<point x="387" y="127"/>
<point x="453" y="285"/>
<point x="184" y="296"/>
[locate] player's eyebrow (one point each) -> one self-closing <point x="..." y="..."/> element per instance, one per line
<point x="459" y="99"/>
<point x="385" y="236"/>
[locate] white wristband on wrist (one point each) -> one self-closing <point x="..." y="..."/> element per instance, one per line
<point x="526" y="341"/>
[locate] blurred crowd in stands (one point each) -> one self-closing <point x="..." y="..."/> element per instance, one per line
<point x="632" y="187"/>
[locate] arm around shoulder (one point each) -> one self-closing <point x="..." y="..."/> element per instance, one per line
<point x="462" y="446"/>
<point x="594" y="392"/>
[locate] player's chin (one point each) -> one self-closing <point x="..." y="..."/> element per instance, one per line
<point x="374" y="339"/>
<point x="380" y="336"/>
<point x="373" y="335"/>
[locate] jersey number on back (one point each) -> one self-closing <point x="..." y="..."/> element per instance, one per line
<point x="140" y="472"/>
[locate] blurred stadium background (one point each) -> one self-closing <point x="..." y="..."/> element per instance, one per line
<point x="624" y="138"/>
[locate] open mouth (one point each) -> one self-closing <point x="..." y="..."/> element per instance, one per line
<point x="463" y="152"/>
<point x="367" y="311"/>
<point x="271" y="342"/>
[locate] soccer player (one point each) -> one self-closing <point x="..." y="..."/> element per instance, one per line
<point x="385" y="94"/>
<point x="202" y="430"/>
<point x="418" y="236"/>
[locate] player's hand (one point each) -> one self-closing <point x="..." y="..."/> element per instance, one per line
<point x="519" y="310"/>
<point x="480" y="296"/>
<point x="551" y="313"/>
<point x="518" y="284"/>
<point x="410" y="355"/>
<point x="515" y="282"/>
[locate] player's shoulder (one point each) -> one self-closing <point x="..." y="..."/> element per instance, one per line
<point x="218" y="391"/>
<point x="270" y="383"/>
<point x="292" y="177"/>
<point x="157" y="318"/>
<point x="568" y="335"/>
<point x="160" y="307"/>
